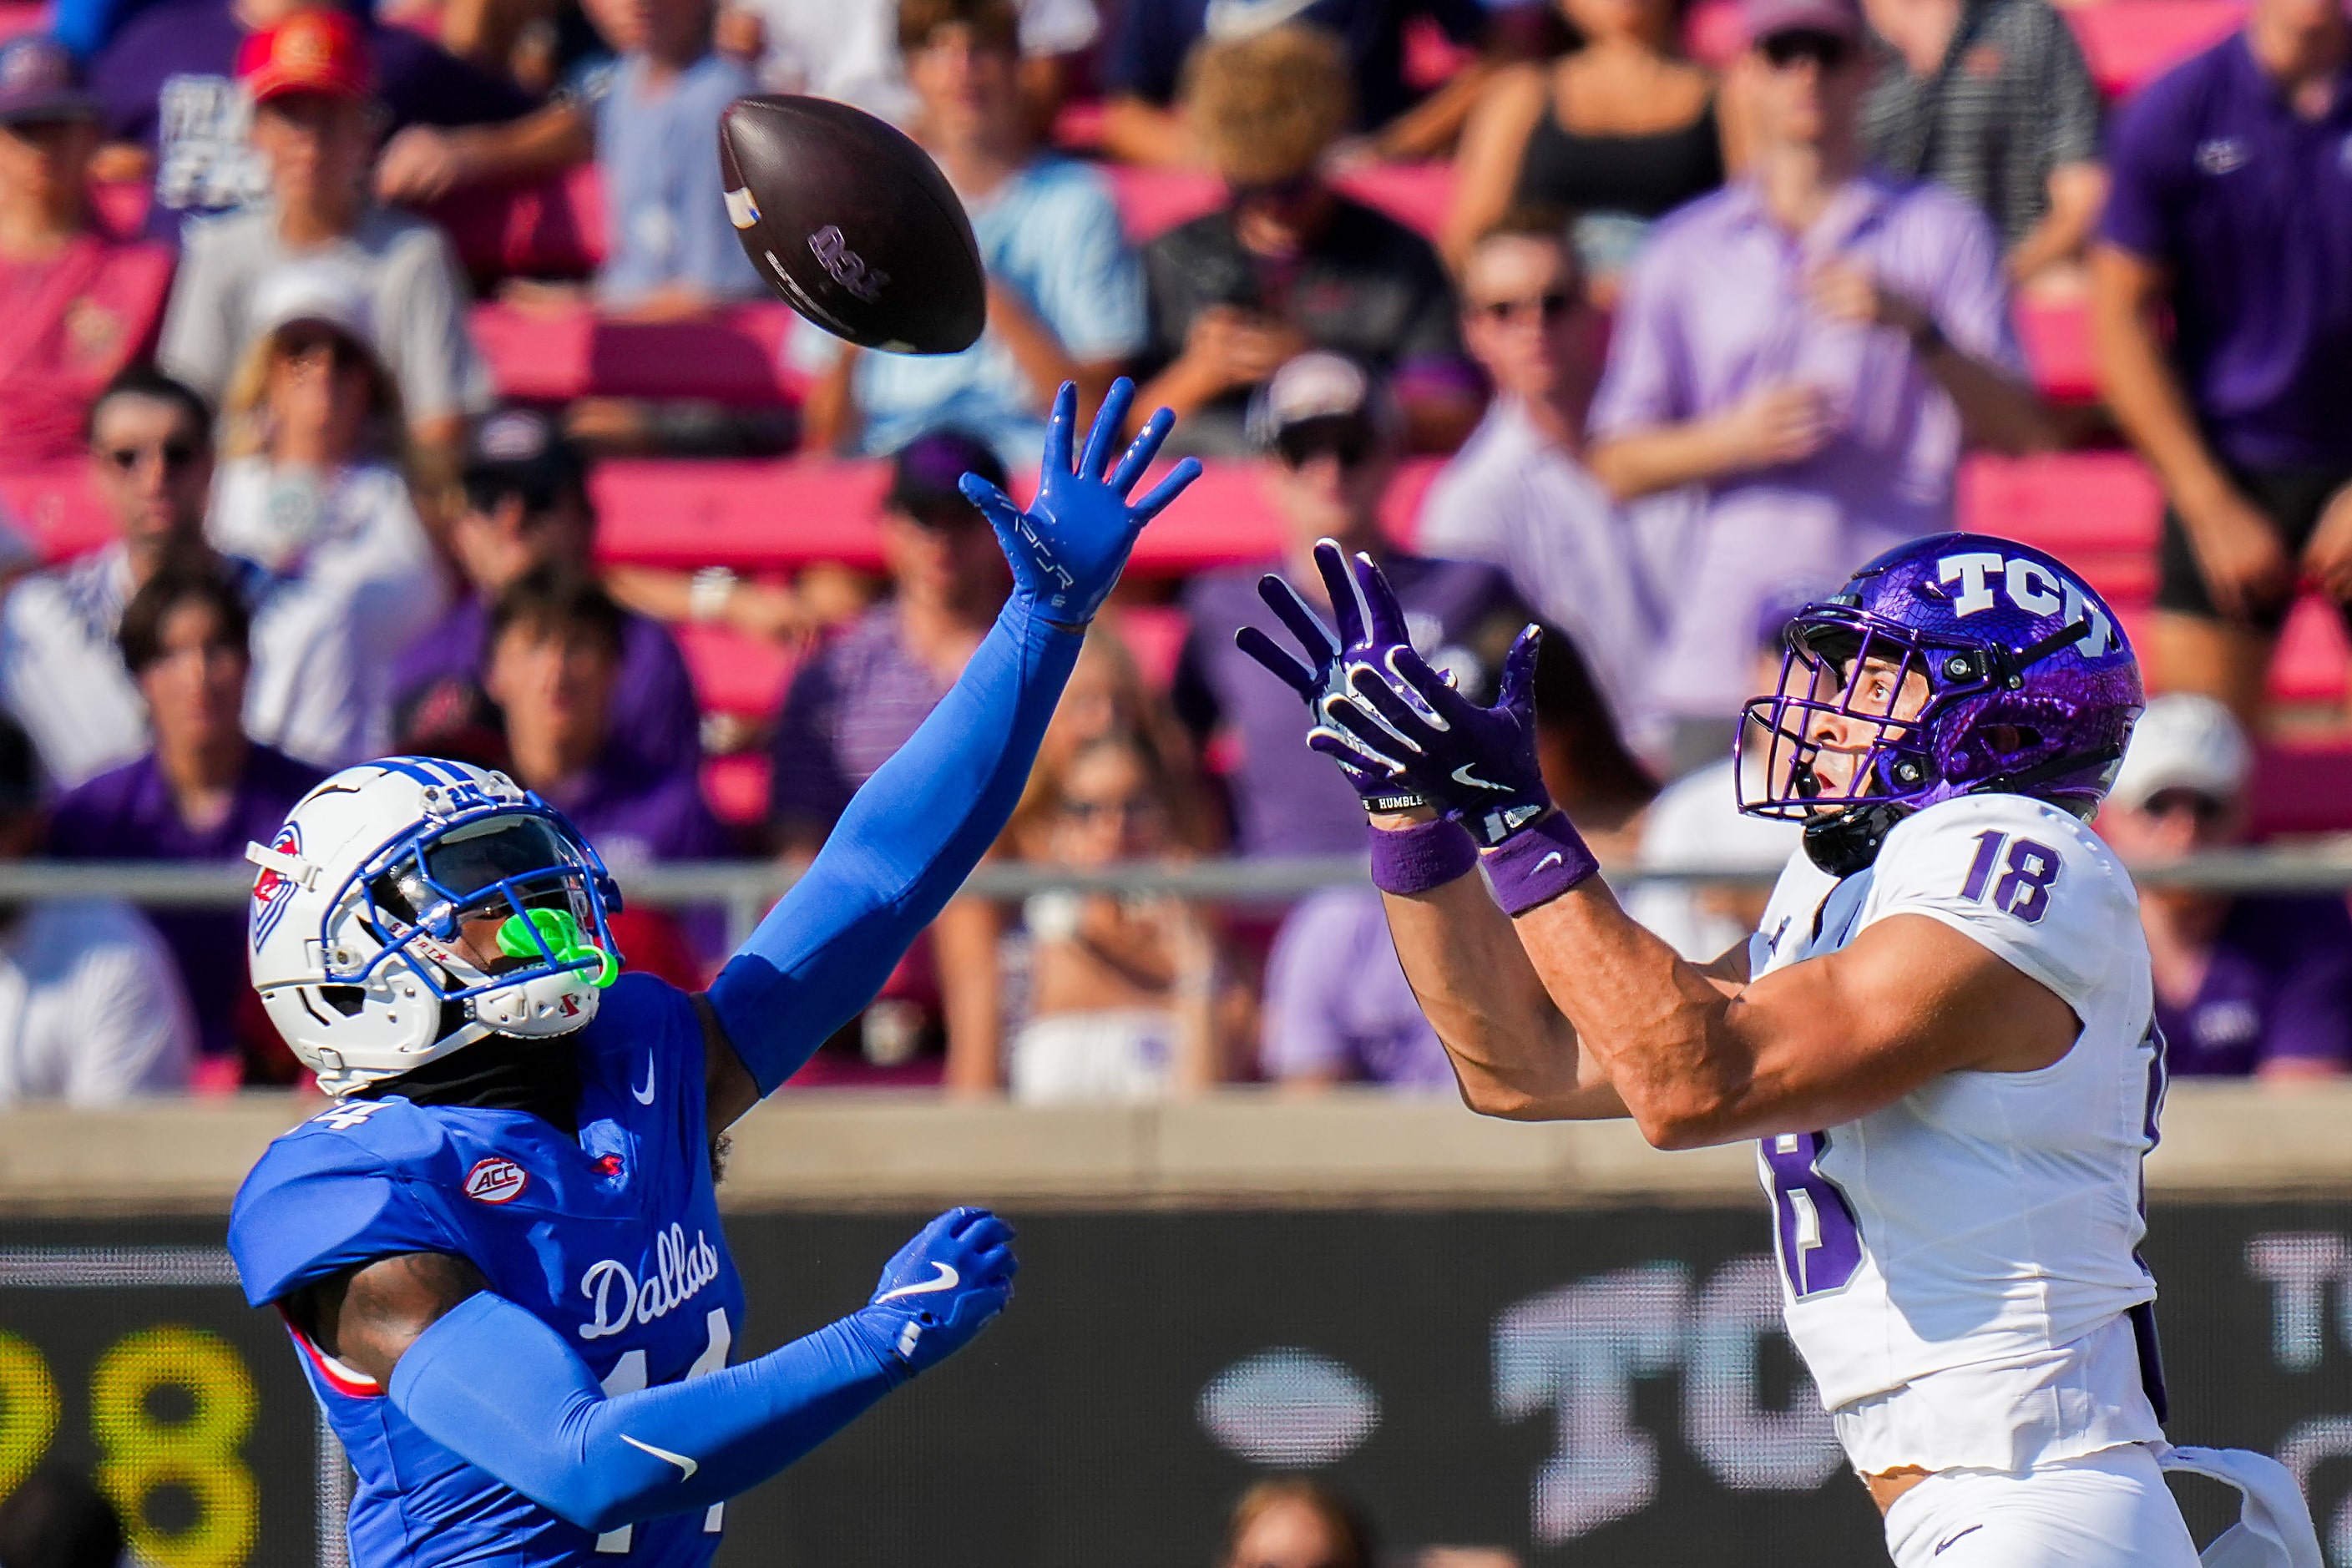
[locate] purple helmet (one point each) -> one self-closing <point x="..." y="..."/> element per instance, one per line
<point x="2030" y="688"/>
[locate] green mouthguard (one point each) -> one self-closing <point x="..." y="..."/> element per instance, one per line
<point x="559" y="930"/>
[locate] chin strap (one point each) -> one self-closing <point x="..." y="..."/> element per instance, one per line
<point x="1849" y="841"/>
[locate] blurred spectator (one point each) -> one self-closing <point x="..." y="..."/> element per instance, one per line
<point x="2232" y="220"/>
<point x="1125" y="993"/>
<point x="857" y="699"/>
<point x="61" y="672"/>
<point x="556" y="642"/>
<point x="1338" y="1007"/>
<point x="314" y="492"/>
<point x="1289" y="263"/>
<point x="57" y="1517"/>
<point x="848" y="50"/>
<point x="527" y="507"/>
<point x="1157" y="43"/>
<point x="75" y="306"/>
<point x="1518" y="493"/>
<point x="1697" y="824"/>
<point x="170" y="81"/>
<point x="1993" y="99"/>
<point x="1812" y="344"/>
<point x="2256" y="984"/>
<point x="1620" y="131"/>
<point x="669" y="250"/>
<point x="204" y="793"/>
<point x="315" y="122"/>
<point x="91" y="1007"/>
<point x="1296" y="1522"/>
<point x="1335" y="448"/>
<point x="1064" y="292"/>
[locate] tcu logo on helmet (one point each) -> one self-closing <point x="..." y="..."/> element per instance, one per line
<point x="2032" y="587"/>
<point x="273" y="889"/>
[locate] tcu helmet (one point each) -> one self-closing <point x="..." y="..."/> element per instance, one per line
<point x="2026" y="685"/>
<point x="365" y="894"/>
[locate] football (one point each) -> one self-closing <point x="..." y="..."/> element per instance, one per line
<point x="852" y="224"/>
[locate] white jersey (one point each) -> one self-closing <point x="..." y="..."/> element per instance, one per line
<point x="1972" y="1245"/>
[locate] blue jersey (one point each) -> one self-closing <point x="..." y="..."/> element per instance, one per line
<point x="612" y="1238"/>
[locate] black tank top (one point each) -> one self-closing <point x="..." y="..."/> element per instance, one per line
<point x="1647" y="175"/>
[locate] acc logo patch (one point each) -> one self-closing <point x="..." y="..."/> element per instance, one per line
<point x="496" y="1181"/>
<point x="273" y="889"/>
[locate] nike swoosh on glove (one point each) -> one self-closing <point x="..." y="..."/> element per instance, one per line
<point x="940" y="1290"/>
<point x="1477" y="764"/>
<point x="1068" y="549"/>
<point x="1369" y="626"/>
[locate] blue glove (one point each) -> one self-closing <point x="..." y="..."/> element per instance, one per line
<point x="941" y="1290"/>
<point x="1369" y="625"/>
<point x="1066" y="549"/>
<point x="1477" y="764"/>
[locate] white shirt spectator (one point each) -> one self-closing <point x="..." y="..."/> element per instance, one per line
<point x="415" y="296"/>
<point x="1513" y="496"/>
<point x="352" y="581"/>
<point x="90" y="1007"/>
<point x="849" y="50"/>
<point x="61" y="674"/>
<point x="1697" y="824"/>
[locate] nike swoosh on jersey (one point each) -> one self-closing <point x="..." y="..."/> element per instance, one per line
<point x="645" y="1096"/>
<point x="1954" y="1536"/>
<point x="687" y="1466"/>
<point x="947" y="1281"/>
<point x="1465" y="776"/>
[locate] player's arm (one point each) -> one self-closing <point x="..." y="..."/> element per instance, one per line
<point x="504" y="1391"/>
<point x="915" y="829"/>
<point x="1701" y="1059"/>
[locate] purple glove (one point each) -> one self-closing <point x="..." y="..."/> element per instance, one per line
<point x="1369" y="625"/>
<point x="1477" y="764"/>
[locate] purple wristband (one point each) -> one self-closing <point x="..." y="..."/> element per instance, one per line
<point x="1407" y="860"/>
<point x="1537" y="864"/>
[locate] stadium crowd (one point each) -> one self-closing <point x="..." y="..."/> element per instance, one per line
<point x="1643" y="320"/>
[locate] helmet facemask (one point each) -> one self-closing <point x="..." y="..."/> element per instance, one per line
<point x="498" y="914"/>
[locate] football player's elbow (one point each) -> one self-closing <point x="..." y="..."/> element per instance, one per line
<point x="1677" y="1118"/>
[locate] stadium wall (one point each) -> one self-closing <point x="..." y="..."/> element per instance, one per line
<point x="1546" y="1339"/>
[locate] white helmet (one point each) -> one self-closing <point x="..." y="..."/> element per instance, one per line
<point x="357" y="915"/>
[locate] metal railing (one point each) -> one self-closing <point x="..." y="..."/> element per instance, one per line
<point x="746" y="888"/>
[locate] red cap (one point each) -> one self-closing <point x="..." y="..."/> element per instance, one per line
<point x="311" y="51"/>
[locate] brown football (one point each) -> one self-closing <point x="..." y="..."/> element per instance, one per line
<point x="852" y="224"/>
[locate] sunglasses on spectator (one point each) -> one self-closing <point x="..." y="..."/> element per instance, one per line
<point x="1551" y="307"/>
<point x="176" y="456"/>
<point x="1826" y="51"/>
<point x="2202" y="807"/>
<point x="1129" y="808"/>
<point x="1350" y="443"/>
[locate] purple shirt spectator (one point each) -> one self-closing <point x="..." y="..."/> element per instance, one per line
<point x="2279" y="986"/>
<point x="1337" y="1002"/>
<point x="437" y="694"/>
<point x="1715" y="308"/>
<point x="2249" y="208"/>
<point x="1288" y="800"/>
<point x="849" y="708"/>
<point x="130" y="815"/>
<point x="635" y="816"/>
<point x="167" y="80"/>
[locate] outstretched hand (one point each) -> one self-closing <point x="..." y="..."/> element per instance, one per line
<point x="1477" y="764"/>
<point x="1068" y="549"/>
<point x="1371" y="623"/>
<point x="943" y="1287"/>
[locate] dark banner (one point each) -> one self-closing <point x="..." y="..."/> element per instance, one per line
<point x="1591" y="1386"/>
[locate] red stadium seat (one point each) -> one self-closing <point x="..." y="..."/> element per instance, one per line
<point x="55" y="505"/>
<point x="2056" y="334"/>
<point x="732" y="358"/>
<point x="2312" y="657"/>
<point x="734" y="673"/>
<point x="780" y="515"/>
<point x="2130" y="43"/>
<point x="554" y="228"/>
<point x="2303" y="787"/>
<point x="2099" y="512"/>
